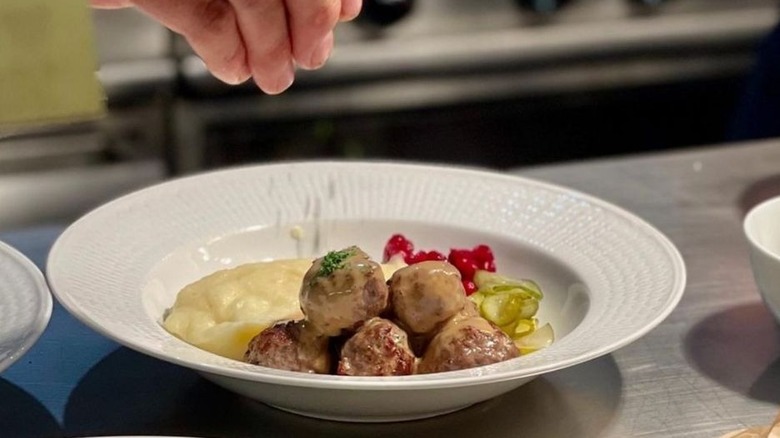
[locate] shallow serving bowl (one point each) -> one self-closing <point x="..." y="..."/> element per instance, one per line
<point x="25" y="305"/>
<point x="608" y="276"/>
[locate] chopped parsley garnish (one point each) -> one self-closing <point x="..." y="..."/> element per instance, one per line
<point x="333" y="261"/>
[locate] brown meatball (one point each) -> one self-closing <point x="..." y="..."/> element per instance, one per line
<point x="378" y="348"/>
<point x="466" y="342"/>
<point x="420" y="343"/>
<point x="426" y="294"/>
<point x="291" y="346"/>
<point x="342" y="290"/>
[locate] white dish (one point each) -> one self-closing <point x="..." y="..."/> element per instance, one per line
<point x="25" y="305"/>
<point x="609" y="277"/>
<point x="762" y="230"/>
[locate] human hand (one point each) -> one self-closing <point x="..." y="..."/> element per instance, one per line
<point x="260" y="39"/>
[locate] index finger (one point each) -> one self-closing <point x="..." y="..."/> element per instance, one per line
<point x="310" y="24"/>
<point x="263" y="25"/>
<point x="210" y="26"/>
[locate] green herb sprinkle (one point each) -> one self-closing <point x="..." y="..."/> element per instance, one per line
<point x="333" y="261"/>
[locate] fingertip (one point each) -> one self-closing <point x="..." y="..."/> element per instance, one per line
<point x="350" y="9"/>
<point x="242" y="75"/>
<point x="232" y="77"/>
<point x="279" y="83"/>
<point x="233" y="70"/>
<point x="321" y="54"/>
<point x="224" y="76"/>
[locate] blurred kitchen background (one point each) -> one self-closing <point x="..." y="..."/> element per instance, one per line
<point x="496" y="83"/>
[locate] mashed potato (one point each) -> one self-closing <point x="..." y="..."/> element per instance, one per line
<point x="223" y="311"/>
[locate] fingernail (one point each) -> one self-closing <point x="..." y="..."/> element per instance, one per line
<point x="243" y="75"/>
<point x="287" y="77"/>
<point x="322" y="52"/>
<point x="232" y="77"/>
<point x="284" y="80"/>
<point x="222" y="75"/>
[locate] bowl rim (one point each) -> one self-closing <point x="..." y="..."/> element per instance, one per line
<point x="461" y="378"/>
<point x="43" y="295"/>
<point x="748" y="227"/>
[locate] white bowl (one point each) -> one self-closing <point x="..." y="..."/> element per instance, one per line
<point x="608" y="276"/>
<point x="762" y="229"/>
<point x="25" y="305"/>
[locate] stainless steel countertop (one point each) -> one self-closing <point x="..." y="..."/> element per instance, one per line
<point x="713" y="366"/>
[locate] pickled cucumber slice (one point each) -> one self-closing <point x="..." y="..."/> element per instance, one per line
<point x="523" y="327"/>
<point x="512" y="305"/>
<point x="477" y="298"/>
<point x="501" y="309"/>
<point x="490" y="283"/>
<point x="536" y="340"/>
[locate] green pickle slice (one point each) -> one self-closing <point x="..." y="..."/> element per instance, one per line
<point x="512" y="306"/>
<point x="501" y="309"/>
<point x="536" y="340"/>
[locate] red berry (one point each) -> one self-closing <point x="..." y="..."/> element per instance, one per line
<point x="469" y="286"/>
<point x="435" y="255"/>
<point x="398" y="244"/>
<point x="466" y="266"/>
<point x="464" y="261"/>
<point x="459" y="254"/>
<point x="467" y="261"/>
<point x="483" y="253"/>
<point x="424" y="256"/>
<point x="485" y="259"/>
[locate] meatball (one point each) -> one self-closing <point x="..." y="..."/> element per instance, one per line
<point x="378" y="348"/>
<point x="426" y="294"/>
<point x="291" y="346"/>
<point x="466" y="342"/>
<point x="420" y="342"/>
<point x="342" y="290"/>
